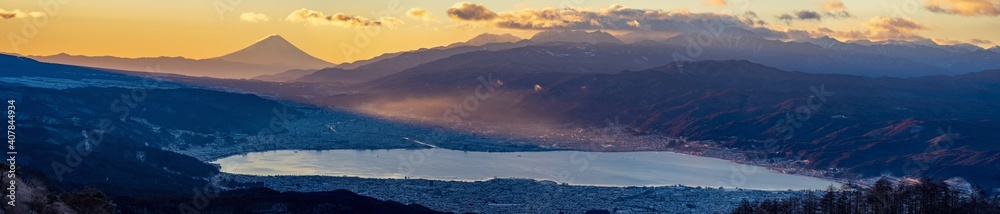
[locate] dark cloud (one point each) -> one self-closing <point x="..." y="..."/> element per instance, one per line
<point x="470" y="12"/>
<point x="800" y="15"/>
<point x="980" y="41"/>
<point x="837" y="14"/>
<point x="750" y="19"/>
<point x="813" y="15"/>
<point x="786" y="17"/>
<point x="807" y="14"/>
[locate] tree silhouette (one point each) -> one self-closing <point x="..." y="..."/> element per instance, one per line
<point x="925" y="196"/>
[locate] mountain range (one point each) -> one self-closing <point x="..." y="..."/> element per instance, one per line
<point x="267" y="56"/>
<point x="396" y="64"/>
<point x="598" y="52"/>
<point x="393" y="63"/>
<point x="271" y="57"/>
<point x="575" y="36"/>
<point x="487" y="38"/>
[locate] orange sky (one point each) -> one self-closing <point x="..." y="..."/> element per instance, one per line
<point x="203" y="28"/>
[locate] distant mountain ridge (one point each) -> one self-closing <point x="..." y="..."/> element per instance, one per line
<point x="487" y="38"/>
<point x="600" y="52"/>
<point x="286" y="76"/>
<point x="479" y="40"/>
<point x="173" y="65"/>
<point x="388" y="64"/>
<point x="956" y="58"/>
<point x="268" y="56"/>
<point x="575" y="36"/>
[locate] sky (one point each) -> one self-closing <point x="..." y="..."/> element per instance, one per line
<point x="344" y="31"/>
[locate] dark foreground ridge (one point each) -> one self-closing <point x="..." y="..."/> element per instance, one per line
<point x="263" y="200"/>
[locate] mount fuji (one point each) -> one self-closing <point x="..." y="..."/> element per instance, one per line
<point x="275" y="50"/>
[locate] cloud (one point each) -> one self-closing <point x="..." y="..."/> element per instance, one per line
<point x="254" y="17"/>
<point x="876" y="29"/>
<point x="896" y="25"/>
<point x="806" y="14"/>
<point x="801" y="15"/>
<point x="965" y="7"/>
<point x="470" y="12"/>
<point x="342" y="20"/>
<point x="834" y="5"/>
<point x="813" y="15"/>
<point x="18" y="14"/>
<point x="980" y="42"/>
<point x="750" y="19"/>
<point x="786" y="17"/>
<point x="837" y="14"/>
<point x="418" y="13"/>
<point x="714" y="3"/>
<point x="615" y="17"/>
<point x="634" y="23"/>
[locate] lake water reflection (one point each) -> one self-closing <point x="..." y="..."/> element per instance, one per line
<point x="573" y="167"/>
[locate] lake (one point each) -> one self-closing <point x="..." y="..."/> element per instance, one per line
<point x="572" y="167"/>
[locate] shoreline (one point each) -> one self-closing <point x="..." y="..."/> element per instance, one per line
<point x="532" y="196"/>
<point x="833" y="182"/>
